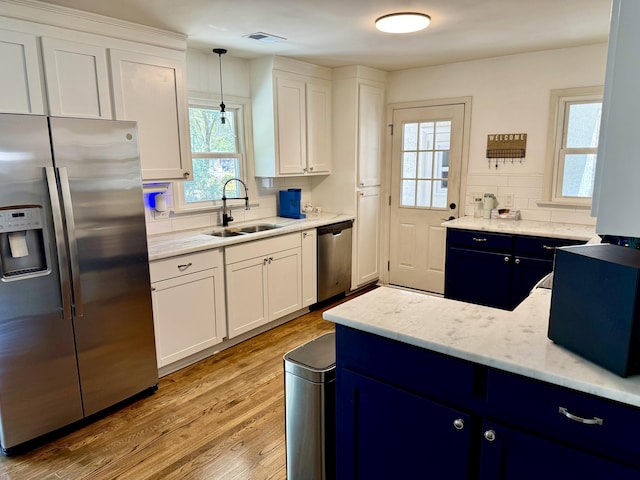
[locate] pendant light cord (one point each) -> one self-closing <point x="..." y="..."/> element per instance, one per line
<point x="220" y="52"/>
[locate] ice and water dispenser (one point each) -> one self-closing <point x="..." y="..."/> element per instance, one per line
<point x="22" y="244"/>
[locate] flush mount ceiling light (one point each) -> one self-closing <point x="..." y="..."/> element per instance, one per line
<point x="403" y="22"/>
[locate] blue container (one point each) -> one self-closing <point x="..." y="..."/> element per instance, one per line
<point x="290" y="203"/>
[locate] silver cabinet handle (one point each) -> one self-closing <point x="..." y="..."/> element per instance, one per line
<point x="58" y="228"/>
<point x="575" y="418"/>
<point x="73" y="241"/>
<point x="506" y="259"/>
<point x="270" y="260"/>
<point x="265" y="261"/>
<point x="311" y="169"/>
<point x="517" y="261"/>
<point x="182" y="267"/>
<point x="476" y="239"/>
<point x="490" y="435"/>
<point x="458" y="423"/>
<point x="186" y="174"/>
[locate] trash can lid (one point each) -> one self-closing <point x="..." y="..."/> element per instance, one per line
<point x="314" y="359"/>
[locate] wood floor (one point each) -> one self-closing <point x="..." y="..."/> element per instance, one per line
<point x="222" y="418"/>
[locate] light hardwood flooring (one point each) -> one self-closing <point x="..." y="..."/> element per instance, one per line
<point x="222" y="418"/>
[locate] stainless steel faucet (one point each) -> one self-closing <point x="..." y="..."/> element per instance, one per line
<point x="228" y="218"/>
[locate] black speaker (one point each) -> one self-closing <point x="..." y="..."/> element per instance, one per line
<point x="595" y="305"/>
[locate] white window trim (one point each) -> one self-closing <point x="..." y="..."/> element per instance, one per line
<point x="553" y="166"/>
<point x="242" y="106"/>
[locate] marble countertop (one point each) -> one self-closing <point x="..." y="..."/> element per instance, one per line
<point x="511" y="341"/>
<point x="525" y="227"/>
<point x="166" y="245"/>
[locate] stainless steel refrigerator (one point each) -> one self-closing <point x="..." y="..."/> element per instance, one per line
<point x="76" y="325"/>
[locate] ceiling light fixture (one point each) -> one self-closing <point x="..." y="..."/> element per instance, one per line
<point x="403" y="22"/>
<point x="224" y="124"/>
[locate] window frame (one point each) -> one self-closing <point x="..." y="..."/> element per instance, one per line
<point x="241" y="108"/>
<point x="556" y="152"/>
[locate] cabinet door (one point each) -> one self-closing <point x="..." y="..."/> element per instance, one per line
<point x="514" y="455"/>
<point x="386" y="432"/>
<point x="318" y="127"/>
<point x="188" y="314"/>
<point x="21" y="79"/>
<point x="526" y="273"/>
<point x="284" y="284"/>
<point x="367" y="226"/>
<point x="478" y="277"/>
<point x="370" y="121"/>
<point x="246" y="290"/>
<point x="150" y="90"/>
<point x="309" y="267"/>
<point x="76" y="78"/>
<point x="291" y="148"/>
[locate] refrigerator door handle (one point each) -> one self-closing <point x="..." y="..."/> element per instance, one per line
<point x="65" y="281"/>
<point x="73" y="242"/>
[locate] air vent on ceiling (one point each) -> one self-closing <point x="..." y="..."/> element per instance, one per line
<point x="265" y="37"/>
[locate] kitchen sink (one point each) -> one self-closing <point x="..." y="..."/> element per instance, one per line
<point x="226" y="233"/>
<point x="236" y="231"/>
<point x="257" y="228"/>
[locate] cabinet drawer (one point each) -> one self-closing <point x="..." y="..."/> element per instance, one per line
<point x="244" y="251"/>
<point x="480" y="240"/>
<point x="536" y="405"/>
<point x="541" y="246"/>
<point x="183" y="265"/>
<point x="412" y="368"/>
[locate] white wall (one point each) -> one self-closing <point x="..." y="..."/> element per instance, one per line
<point x="509" y="95"/>
<point x="203" y="81"/>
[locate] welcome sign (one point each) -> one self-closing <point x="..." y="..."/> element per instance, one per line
<point x="507" y="145"/>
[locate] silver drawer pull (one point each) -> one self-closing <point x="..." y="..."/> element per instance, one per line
<point x="476" y="239"/>
<point x="490" y="435"/>
<point x="458" y="423"/>
<point x="182" y="267"/>
<point x="547" y="247"/>
<point x="575" y="418"/>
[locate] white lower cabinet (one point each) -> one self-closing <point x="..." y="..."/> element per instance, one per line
<point x="263" y="282"/>
<point x="309" y="267"/>
<point x="367" y="244"/>
<point x="188" y="304"/>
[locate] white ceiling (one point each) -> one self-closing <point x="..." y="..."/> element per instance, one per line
<point x="341" y="32"/>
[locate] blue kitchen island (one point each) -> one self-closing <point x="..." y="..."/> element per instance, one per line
<point x="434" y="388"/>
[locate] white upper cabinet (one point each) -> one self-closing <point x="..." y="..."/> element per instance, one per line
<point x="21" y="79"/>
<point x="291" y="117"/>
<point x="617" y="196"/>
<point x="77" y="79"/>
<point x="151" y="91"/>
<point x="370" y="122"/>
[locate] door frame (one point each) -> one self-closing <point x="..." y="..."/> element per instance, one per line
<point x="386" y="169"/>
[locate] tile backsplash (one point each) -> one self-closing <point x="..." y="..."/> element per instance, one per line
<point x="263" y="199"/>
<point x="526" y="191"/>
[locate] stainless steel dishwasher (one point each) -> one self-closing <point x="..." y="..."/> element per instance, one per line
<point x="334" y="259"/>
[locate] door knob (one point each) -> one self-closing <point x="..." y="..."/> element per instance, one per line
<point x="452" y="206"/>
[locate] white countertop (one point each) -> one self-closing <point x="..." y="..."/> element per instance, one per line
<point x="166" y="245"/>
<point x="511" y="341"/>
<point x="525" y="227"/>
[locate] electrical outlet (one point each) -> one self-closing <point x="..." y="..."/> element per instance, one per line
<point x="508" y="200"/>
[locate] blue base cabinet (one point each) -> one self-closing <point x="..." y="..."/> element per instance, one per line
<point x="407" y="412"/>
<point x="496" y="269"/>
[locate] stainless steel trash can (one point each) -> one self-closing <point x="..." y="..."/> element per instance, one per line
<point x="309" y="384"/>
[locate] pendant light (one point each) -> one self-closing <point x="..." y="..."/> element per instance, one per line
<point x="224" y="126"/>
<point x="403" y="22"/>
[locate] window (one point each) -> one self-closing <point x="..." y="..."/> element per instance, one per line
<point x="216" y="156"/>
<point x="572" y="164"/>
<point x="425" y="164"/>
